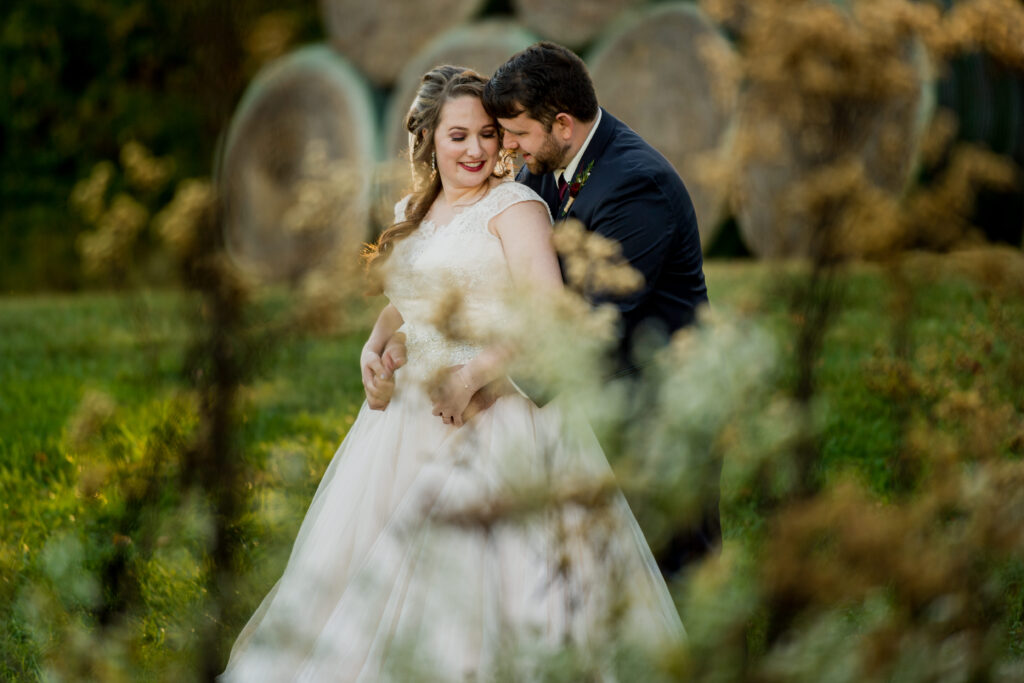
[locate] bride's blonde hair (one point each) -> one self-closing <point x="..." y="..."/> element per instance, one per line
<point x="438" y="85"/>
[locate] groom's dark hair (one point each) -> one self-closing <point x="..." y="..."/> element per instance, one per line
<point x="542" y="80"/>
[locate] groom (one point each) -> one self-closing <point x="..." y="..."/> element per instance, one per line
<point x="589" y="166"/>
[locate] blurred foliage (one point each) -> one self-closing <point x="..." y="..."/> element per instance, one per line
<point x="102" y="531"/>
<point x="988" y="98"/>
<point x="82" y="79"/>
<point x="105" y="546"/>
<point x="153" y="467"/>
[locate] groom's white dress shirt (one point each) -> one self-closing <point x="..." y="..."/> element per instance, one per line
<point x="569" y="171"/>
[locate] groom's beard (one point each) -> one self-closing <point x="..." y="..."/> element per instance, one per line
<point x="549" y="158"/>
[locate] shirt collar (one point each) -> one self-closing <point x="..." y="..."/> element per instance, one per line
<point x="569" y="171"/>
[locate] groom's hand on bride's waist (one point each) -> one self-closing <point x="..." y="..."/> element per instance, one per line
<point x="446" y="393"/>
<point x="485" y="397"/>
<point x="393" y="356"/>
<point x="378" y="383"/>
<point x="378" y="371"/>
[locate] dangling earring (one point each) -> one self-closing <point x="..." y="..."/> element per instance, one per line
<point x="433" y="162"/>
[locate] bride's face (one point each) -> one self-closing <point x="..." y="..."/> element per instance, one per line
<point x="466" y="143"/>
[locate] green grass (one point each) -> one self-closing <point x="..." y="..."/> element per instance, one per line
<point x="57" y="351"/>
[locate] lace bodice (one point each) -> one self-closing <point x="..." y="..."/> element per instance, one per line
<point x="459" y="267"/>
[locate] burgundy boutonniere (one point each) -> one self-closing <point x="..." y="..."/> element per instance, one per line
<point x="576" y="185"/>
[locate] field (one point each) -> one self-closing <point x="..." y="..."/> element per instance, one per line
<point x="93" y="384"/>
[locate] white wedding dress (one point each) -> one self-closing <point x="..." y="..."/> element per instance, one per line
<point x="395" y="575"/>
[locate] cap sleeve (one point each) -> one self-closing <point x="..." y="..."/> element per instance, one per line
<point x="510" y="193"/>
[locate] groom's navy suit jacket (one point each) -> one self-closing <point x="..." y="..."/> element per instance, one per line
<point x="635" y="197"/>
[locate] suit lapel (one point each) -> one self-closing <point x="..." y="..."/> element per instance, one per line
<point x="591" y="155"/>
<point x="542" y="185"/>
<point x="549" y="192"/>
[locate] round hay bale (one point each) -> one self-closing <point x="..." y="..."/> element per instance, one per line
<point x="884" y="137"/>
<point x="482" y="47"/>
<point x="655" y="74"/>
<point x="573" y="23"/>
<point x="381" y="37"/>
<point x="294" y="171"/>
<point x="894" y="138"/>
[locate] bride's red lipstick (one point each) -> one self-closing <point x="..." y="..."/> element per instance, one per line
<point x="472" y="168"/>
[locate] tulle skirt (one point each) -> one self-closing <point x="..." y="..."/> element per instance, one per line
<point x="448" y="553"/>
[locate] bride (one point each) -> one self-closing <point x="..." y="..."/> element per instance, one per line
<point x="404" y="567"/>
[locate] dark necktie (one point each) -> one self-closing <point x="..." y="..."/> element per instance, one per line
<point x="561" y="187"/>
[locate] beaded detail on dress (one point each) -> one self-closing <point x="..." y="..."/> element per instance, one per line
<point x="452" y="277"/>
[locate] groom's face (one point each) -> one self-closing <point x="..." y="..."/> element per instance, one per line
<point x="542" y="150"/>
